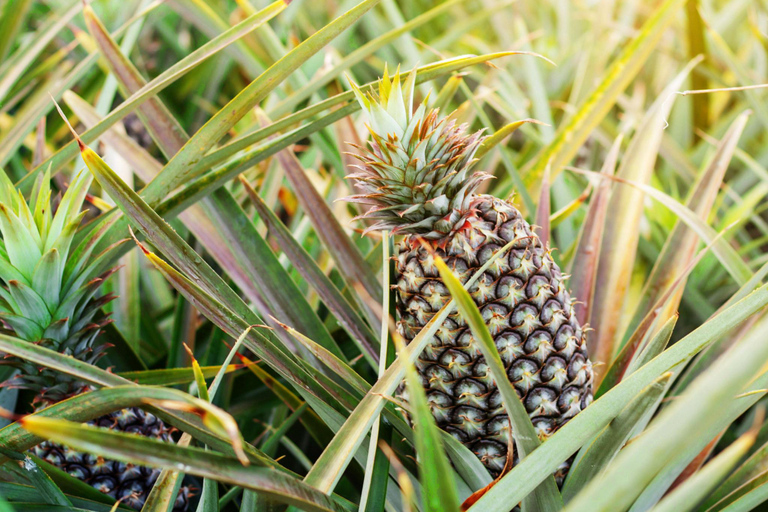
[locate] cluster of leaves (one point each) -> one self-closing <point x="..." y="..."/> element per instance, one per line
<point x="223" y="129"/>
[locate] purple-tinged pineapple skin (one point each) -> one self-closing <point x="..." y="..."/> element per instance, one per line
<point x="127" y="482"/>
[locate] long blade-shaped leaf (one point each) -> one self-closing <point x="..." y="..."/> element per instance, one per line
<point x="569" y="138"/>
<point x="332" y="297"/>
<point x="348" y="258"/>
<point x="588" y="249"/>
<point x="220" y="225"/>
<point x="179" y="168"/>
<point x="689" y="494"/>
<point x="626" y="207"/>
<point x="669" y="434"/>
<point x="681" y="244"/>
<point x="159" y="83"/>
<point x="598" y="454"/>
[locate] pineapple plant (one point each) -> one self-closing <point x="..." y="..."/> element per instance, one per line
<point x="417" y="176"/>
<point x="247" y="314"/>
<point x="51" y="298"/>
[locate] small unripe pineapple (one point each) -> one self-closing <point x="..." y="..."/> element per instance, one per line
<point x="417" y="175"/>
<point x="49" y="296"/>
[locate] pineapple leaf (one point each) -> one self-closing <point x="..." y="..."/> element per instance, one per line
<point x="348" y="259"/>
<point x="596" y="455"/>
<point x="48" y="492"/>
<point x="77" y="491"/>
<point x="46" y="279"/>
<point x="358" y="55"/>
<point x="681" y="243"/>
<point x="215" y="177"/>
<point x="691" y="492"/>
<point x="668" y="436"/>
<point x="69" y="151"/>
<point x="179" y="169"/>
<point x="122" y="394"/>
<point x="20" y="61"/>
<point x="30" y="305"/>
<point x="625" y="66"/>
<point x="174" y="376"/>
<point x="302" y="261"/>
<point x="161" y="125"/>
<point x="312" y="422"/>
<point x="20" y="245"/>
<point x="626" y="206"/>
<point x="302" y="377"/>
<point x="632" y="353"/>
<point x="377" y="466"/>
<point x="588" y="248"/>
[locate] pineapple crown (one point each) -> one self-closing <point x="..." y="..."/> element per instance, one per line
<point x="49" y="281"/>
<point x="417" y="170"/>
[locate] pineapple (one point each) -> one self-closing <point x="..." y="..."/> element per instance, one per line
<point x="417" y="175"/>
<point x="49" y="298"/>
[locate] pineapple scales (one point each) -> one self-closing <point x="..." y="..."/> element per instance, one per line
<point x="50" y="298"/>
<point x="417" y="176"/>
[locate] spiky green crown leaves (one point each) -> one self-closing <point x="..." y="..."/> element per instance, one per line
<point x="48" y="282"/>
<point x="417" y="171"/>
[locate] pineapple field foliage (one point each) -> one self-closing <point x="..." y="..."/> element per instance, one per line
<point x="183" y="266"/>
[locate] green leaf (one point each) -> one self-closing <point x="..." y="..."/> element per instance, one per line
<point x="161" y="125"/>
<point x="691" y="492"/>
<point x="25" y="494"/>
<point x="747" y="477"/>
<point x="595" y="456"/>
<point x="11" y="19"/>
<point x="680" y="247"/>
<point x="95" y="405"/>
<point x="332" y="298"/>
<point x="23" y="251"/>
<point x="173" y="376"/>
<point x="20" y="61"/>
<point x="46" y="279"/>
<point x="358" y="55"/>
<point x="621" y="227"/>
<point x="588" y="248"/>
<point x="348" y="259"/>
<point x="49" y="492"/>
<point x="622" y="71"/>
<point x="669" y="434"/>
<point x="179" y="169"/>
<point x="644" y="335"/>
<point x="30" y="304"/>
<point x="377" y="466"/>
<point x="150" y="90"/>
<point x="213" y="179"/>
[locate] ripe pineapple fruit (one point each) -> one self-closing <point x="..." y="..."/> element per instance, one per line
<point x="49" y="298"/>
<point x="417" y="175"/>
